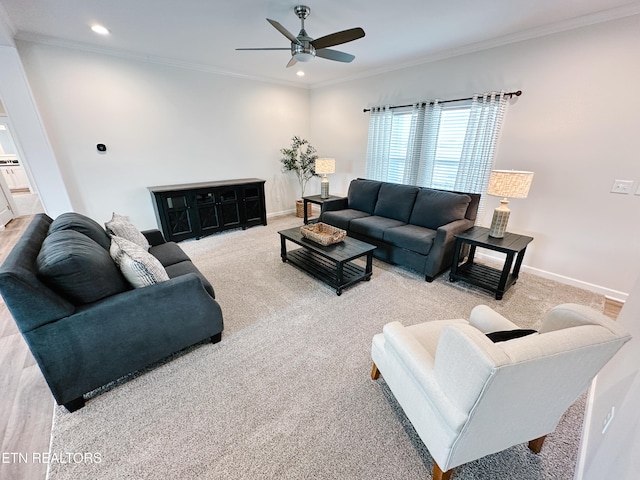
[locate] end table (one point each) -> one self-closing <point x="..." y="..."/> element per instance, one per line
<point x="318" y="200"/>
<point x="492" y="279"/>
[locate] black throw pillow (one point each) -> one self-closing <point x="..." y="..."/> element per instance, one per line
<point x="504" y="335"/>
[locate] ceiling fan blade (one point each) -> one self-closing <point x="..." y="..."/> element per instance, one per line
<point x="335" y="55"/>
<point x="338" y="38"/>
<point x="263" y="49"/>
<point x="284" y="31"/>
<point x="292" y="62"/>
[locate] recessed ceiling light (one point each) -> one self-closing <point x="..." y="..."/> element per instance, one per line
<point x="300" y="73"/>
<point x="99" y="29"/>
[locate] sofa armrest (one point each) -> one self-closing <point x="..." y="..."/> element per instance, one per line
<point x="336" y="204"/>
<point x="154" y="237"/>
<point x="441" y="253"/>
<point x="123" y="333"/>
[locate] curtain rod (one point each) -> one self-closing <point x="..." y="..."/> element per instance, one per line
<point x="509" y="94"/>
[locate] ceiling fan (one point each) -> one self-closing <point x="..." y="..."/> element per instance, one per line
<point x="304" y="48"/>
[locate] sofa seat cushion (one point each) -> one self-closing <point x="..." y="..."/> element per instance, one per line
<point x="137" y="265"/>
<point x="396" y="201"/>
<point x="411" y="237"/>
<point x="85" y="225"/>
<point x="373" y="226"/>
<point x="79" y="269"/>
<point x="434" y="208"/>
<point x="363" y="194"/>
<point x="182" y="268"/>
<point x="169" y="253"/>
<point x="342" y="218"/>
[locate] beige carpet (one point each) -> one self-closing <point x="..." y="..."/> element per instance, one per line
<point x="287" y="392"/>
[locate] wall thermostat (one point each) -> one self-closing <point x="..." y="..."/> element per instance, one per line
<point x="101" y="147"/>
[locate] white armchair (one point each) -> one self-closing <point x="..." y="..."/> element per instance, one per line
<point x="468" y="397"/>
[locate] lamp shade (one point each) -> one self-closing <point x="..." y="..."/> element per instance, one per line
<point x="325" y="165"/>
<point x="510" y="183"/>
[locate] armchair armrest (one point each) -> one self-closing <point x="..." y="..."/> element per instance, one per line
<point x="488" y="320"/>
<point x="154" y="237"/>
<point x="336" y="204"/>
<point x="417" y="360"/>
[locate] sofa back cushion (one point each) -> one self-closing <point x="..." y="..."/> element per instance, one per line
<point x="363" y="194"/>
<point x="396" y="201"/>
<point x="85" y="225"/>
<point x="434" y="208"/>
<point x="79" y="269"/>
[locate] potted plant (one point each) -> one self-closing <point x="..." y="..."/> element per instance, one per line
<point x="300" y="158"/>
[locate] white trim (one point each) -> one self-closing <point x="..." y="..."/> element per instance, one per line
<point x="586" y="428"/>
<point x="139" y="57"/>
<point x="574" y="282"/>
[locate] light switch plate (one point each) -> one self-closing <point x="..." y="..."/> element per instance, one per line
<point x="622" y="186"/>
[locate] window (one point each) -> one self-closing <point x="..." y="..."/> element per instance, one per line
<point x="448" y="146"/>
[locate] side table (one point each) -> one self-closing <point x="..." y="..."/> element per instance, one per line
<point x="492" y="279"/>
<point x="318" y="200"/>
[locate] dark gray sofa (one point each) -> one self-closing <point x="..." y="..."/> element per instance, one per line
<point x="410" y="226"/>
<point x="81" y="342"/>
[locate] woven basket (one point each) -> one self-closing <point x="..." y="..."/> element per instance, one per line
<point x="300" y="209"/>
<point x="323" y="234"/>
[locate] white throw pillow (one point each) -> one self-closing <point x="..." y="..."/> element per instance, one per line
<point x="138" y="266"/>
<point x="121" y="226"/>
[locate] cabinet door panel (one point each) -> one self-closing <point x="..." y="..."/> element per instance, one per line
<point x="228" y="206"/>
<point x="178" y="217"/>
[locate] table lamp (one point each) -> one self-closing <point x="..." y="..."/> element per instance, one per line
<point x="324" y="166"/>
<point x="506" y="184"/>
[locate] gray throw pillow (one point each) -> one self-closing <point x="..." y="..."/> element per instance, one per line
<point x="121" y="226"/>
<point x="137" y="265"/>
<point x="83" y="224"/>
<point x="79" y="269"/>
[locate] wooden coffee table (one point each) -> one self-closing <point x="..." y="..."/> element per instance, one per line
<point x="332" y="264"/>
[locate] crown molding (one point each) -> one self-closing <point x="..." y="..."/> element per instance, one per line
<point x="627" y="10"/>
<point x="164" y="61"/>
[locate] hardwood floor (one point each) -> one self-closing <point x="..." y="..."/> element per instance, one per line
<point x="26" y="405"/>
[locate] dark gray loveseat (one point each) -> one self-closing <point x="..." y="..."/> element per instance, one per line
<point x="88" y="327"/>
<point x="410" y="226"/>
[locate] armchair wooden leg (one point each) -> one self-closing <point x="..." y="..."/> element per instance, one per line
<point x="375" y="373"/>
<point x="536" y="445"/>
<point x="438" y="474"/>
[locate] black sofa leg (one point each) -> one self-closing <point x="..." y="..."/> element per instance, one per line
<point x="75" y="404"/>
<point x="428" y="278"/>
<point x="216" y="338"/>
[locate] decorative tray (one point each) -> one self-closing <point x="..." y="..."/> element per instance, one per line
<point x="323" y="234"/>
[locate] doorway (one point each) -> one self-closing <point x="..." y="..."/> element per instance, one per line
<point x="16" y="185"/>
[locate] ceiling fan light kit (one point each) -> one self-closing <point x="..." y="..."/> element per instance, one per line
<point x="304" y="48"/>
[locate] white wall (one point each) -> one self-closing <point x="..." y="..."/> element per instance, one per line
<point x="161" y="125"/>
<point x="575" y="126"/>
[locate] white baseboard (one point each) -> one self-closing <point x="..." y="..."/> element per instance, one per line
<point x="279" y="214"/>
<point x="574" y="282"/>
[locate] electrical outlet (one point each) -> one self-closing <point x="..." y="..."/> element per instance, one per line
<point x="608" y="419"/>
<point x="622" y="186"/>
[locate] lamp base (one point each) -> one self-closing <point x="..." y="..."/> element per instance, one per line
<point x="499" y="221"/>
<point x="324" y="188"/>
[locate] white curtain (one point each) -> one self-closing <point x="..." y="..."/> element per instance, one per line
<point x="483" y="131"/>
<point x="379" y="142"/>
<point x="486" y="113"/>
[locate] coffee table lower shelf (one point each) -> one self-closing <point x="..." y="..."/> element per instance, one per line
<point x="326" y="270"/>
